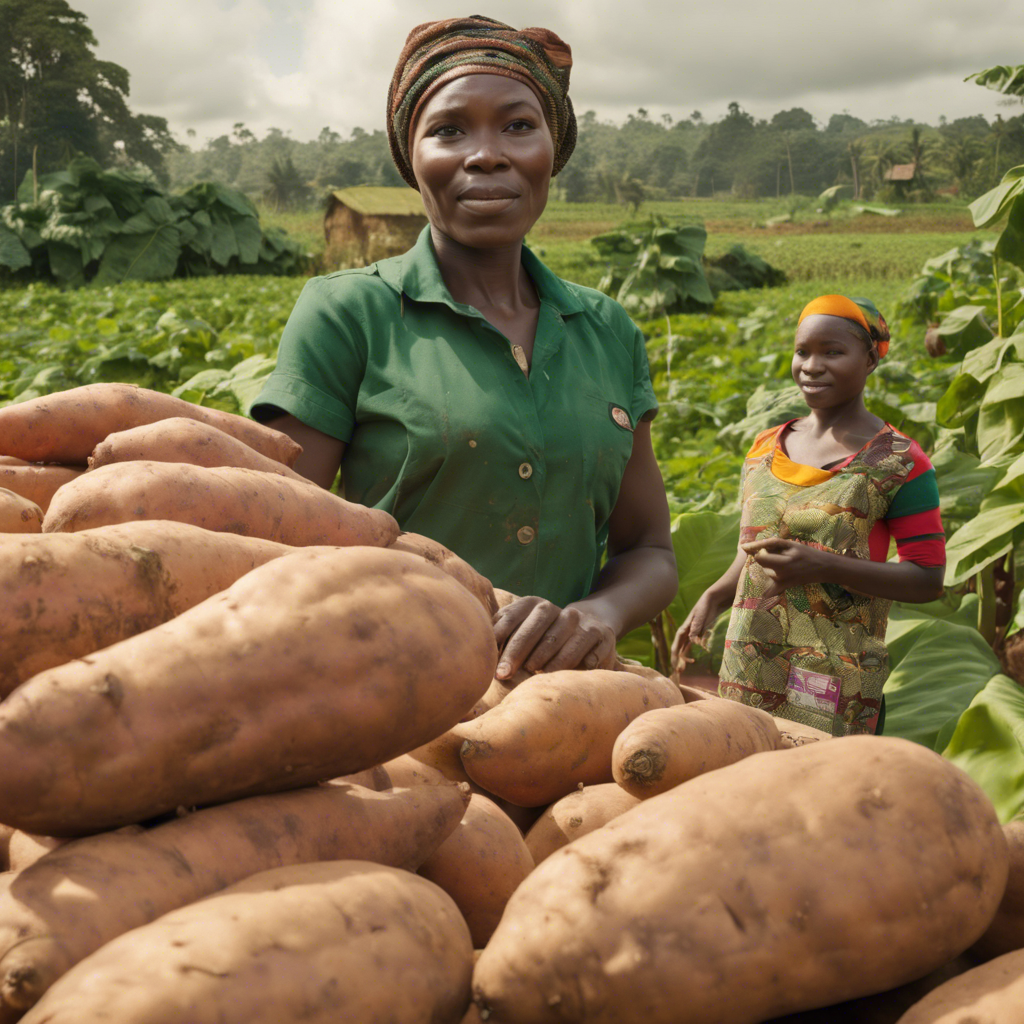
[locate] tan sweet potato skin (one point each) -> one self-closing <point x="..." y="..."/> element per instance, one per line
<point x="554" y="731"/>
<point x="990" y="994"/>
<point x="65" y="595"/>
<point x="480" y="865"/>
<point x="180" y="439"/>
<point x="35" y="482"/>
<point x="811" y="876"/>
<point x="136" y="876"/>
<point x="669" y="746"/>
<point x="1006" y="932"/>
<point x="320" y="943"/>
<point x="576" y="815"/>
<point x="794" y="734"/>
<point x="24" y="849"/>
<point x="314" y="665"/>
<point x="18" y="514"/>
<point x="224" y="499"/>
<point x="451" y="563"/>
<point x="65" y="427"/>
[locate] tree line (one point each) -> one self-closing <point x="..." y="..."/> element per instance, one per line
<point x="57" y="100"/>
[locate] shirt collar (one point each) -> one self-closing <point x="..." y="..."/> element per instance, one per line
<point x="417" y="275"/>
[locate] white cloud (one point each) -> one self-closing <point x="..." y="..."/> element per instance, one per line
<point x="303" y="64"/>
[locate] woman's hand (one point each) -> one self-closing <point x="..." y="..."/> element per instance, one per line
<point x="701" y="618"/>
<point x="789" y="563"/>
<point x="539" y="636"/>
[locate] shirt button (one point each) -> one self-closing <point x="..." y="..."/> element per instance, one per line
<point x="526" y="471"/>
<point x="526" y="534"/>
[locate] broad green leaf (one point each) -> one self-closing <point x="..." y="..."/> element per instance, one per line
<point x="983" y="539"/>
<point x="924" y="698"/>
<point x="147" y="257"/>
<point x="1010" y="245"/>
<point x="765" y="408"/>
<point x="13" y="254"/>
<point x="988" y="744"/>
<point x="994" y="204"/>
<point x="965" y="329"/>
<point x="705" y="544"/>
<point x="1001" y="418"/>
<point x="963" y="482"/>
<point x="984" y="360"/>
<point x="961" y="401"/>
<point x="1005" y="78"/>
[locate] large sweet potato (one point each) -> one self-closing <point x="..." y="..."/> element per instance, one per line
<point x="790" y="880"/>
<point x="1006" y="932"/>
<point x="318" y="943"/>
<point x="576" y="815"/>
<point x="990" y="994"/>
<point x="18" y="514"/>
<point x="480" y="865"/>
<point x="224" y="499"/>
<point x="449" y="562"/>
<point x="135" y="876"/>
<point x="35" y="482"/>
<point x="668" y="746"/>
<point x="65" y="427"/>
<point x="554" y="731"/>
<point x="65" y="595"/>
<point x="311" y="666"/>
<point x="183" y="440"/>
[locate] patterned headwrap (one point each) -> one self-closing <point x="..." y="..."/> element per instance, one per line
<point x="860" y="311"/>
<point x="439" y="51"/>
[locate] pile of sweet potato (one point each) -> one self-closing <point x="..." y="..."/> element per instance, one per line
<point x="255" y="767"/>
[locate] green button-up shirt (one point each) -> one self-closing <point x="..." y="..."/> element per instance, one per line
<point x="516" y="474"/>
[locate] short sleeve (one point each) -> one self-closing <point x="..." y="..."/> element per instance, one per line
<point x="321" y="362"/>
<point x="645" y="405"/>
<point x="913" y="519"/>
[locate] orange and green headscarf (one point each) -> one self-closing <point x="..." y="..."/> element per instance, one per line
<point x="439" y="51"/>
<point x="861" y="311"/>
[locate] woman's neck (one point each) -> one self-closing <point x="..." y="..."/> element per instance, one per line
<point x="850" y="418"/>
<point x="484" y="278"/>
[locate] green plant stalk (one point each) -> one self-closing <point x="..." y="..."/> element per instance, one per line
<point x="987" y="603"/>
<point x="999" y="294"/>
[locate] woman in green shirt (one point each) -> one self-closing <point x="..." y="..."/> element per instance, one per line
<point x="462" y="386"/>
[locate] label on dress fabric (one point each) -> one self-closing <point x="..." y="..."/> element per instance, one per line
<point x="814" y="691"/>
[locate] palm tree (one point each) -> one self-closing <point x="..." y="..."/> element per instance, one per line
<point x="1000" y="131"/>
<point x="883" y="155"/>
<point x="855" y="149"/>
<point x="284" y="183"/>
<point x="959" y="156"/>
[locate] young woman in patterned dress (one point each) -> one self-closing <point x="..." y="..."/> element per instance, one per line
<point x="822" y="498"/>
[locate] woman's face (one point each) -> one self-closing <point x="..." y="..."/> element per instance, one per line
<point x="830" y="363"/>
<point x="482" y="155"/>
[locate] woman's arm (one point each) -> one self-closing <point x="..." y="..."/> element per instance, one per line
<point x="321" y="453"/>
<point x="706" y="610"/>
<point x="791" y="564"/>
<point x="638" y="581"/>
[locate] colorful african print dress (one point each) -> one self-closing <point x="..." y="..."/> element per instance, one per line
<point x="816" y="654"/>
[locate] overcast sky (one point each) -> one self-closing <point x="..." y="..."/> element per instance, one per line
<point x="300" y="65"/>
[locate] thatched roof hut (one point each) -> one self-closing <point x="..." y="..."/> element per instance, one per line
<point x="368" y="223"/>
<point x="901" y="172"/>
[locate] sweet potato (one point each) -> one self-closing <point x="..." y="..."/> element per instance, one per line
<point x="480" y="865"/>
<point x="180" y="439"/>
<point x="575" y="815"/>
<point x="990" y="994"/>
<point x="35" y="482"/>
<point x="18" y="514"/>
<point x="64" y="595"/>
<point x="668" y="746"/>
<point x="227" y="500"/>
<point x="795" y="734"/>
<point x="1006" y="932"/>
<point x="314" y="665"/>
<point x="134" y="877"/>
<point x="66" y="427"/>
<point x="24" y="849"/>
<point x="320" y="943"/>
<point x="789" y="880"/>
<point x="449" y="562"/>
<point x="554" y="731"/>
<point x="504" y="598"/>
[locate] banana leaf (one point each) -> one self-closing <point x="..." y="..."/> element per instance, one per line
<point x="1001" y="418"/>
<point x="988" y="744"/>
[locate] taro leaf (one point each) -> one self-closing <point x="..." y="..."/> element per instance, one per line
<point x="147" y="257"/>
<point x="13" y="254"/>
<point x="247" y="231"/>
<point x="765" y="408"/>
<point x="1001" y="420"/>
<point x="223" y="243"/>
<point x="961" y="401"/>
<point x="994" y="204"/>
<point x="983" y="539"/>
<point x="964" y="329"/>
<point x="940" y="666"/>
<point x="963" y="482"/>
<point x="988" y="744"/>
